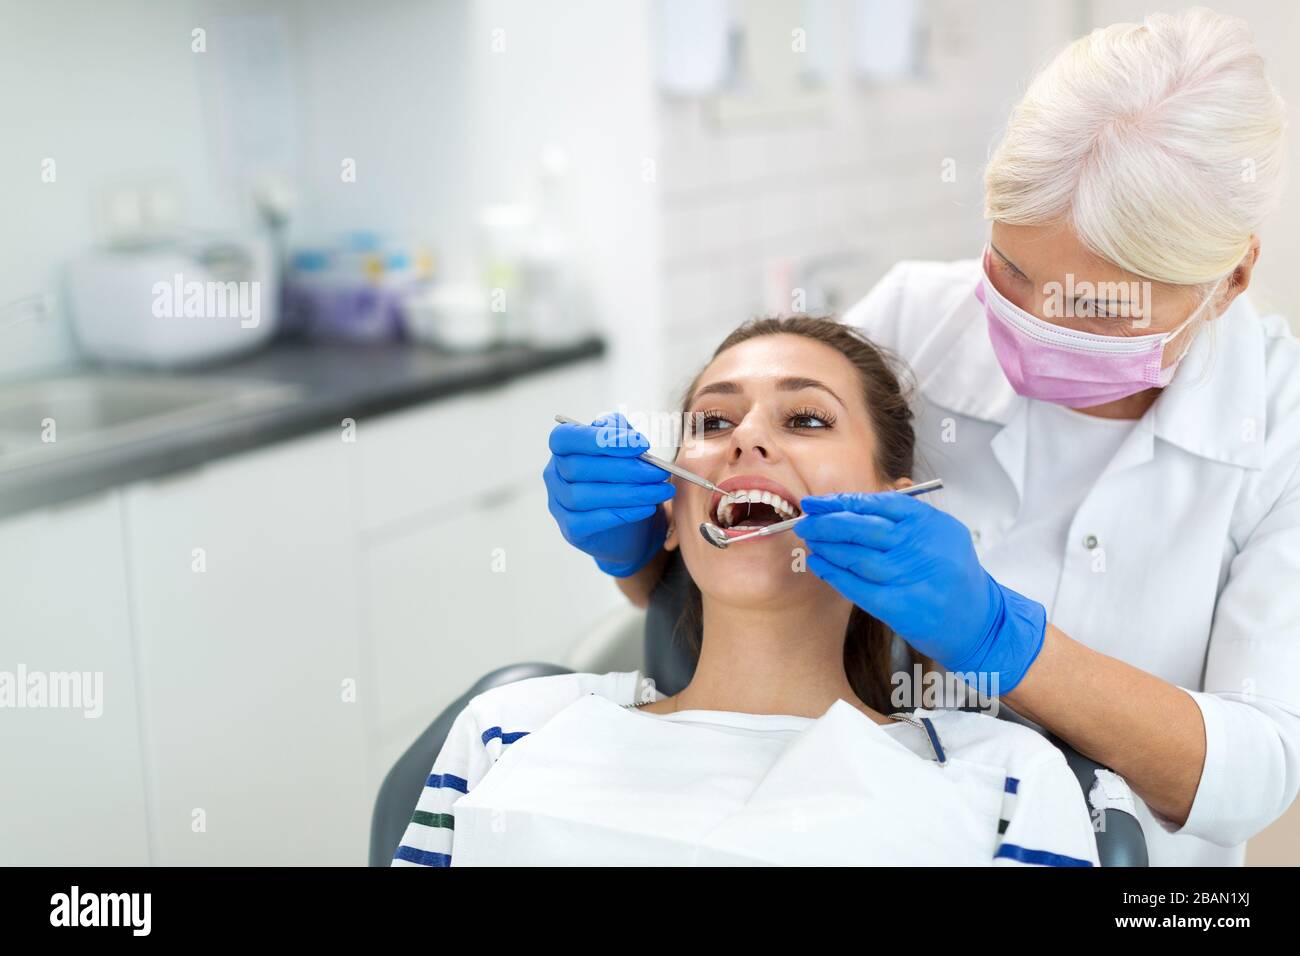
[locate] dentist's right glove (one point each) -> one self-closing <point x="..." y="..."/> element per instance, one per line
<point x="912" y="566"/>
<point x="606" y="500"/>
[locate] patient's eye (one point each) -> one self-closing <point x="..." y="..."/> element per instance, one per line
<point x="822" y="419"/>
<point x="705" y="421"/>
<point x="714" y="420"/>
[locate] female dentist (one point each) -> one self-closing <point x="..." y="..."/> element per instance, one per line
<point x="1118" y="430"/>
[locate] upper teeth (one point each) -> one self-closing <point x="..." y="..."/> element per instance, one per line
<point x="727" y="505"/>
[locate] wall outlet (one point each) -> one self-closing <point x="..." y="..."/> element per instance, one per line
<point x="30" y="308"/>
<point x="135" y="212"/>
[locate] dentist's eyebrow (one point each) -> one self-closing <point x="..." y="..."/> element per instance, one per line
<point x="1014" y="267"/>
<point x="790" y="383"/>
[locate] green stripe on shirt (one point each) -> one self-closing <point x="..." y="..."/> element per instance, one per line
<point x="428" y="819"/>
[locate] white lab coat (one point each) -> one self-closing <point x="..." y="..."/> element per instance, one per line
<point x="1197" y="519"/>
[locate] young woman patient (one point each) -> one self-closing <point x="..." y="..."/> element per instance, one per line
<point x="784" y="748"/>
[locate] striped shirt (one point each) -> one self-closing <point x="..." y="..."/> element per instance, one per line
<point x="1043" y="819"/>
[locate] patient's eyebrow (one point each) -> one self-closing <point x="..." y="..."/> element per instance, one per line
<point x="796" y="383"/>
<point x="791" y="383"/>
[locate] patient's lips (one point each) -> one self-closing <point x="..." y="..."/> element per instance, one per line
<point x="751" y="502"/>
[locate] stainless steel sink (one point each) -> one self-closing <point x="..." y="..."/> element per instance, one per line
<point x="87" y="413"/>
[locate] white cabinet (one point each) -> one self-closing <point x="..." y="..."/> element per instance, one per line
<point x="246" y="614"/>
<point x="440" y="457"/>
<point x="464" y="569"/>
<point x="73" y="789"/>
<point x="432" y="458"/>
<point x="438" y="618"/>
<point x="275" y="628"/>
<point x="494" y="584"/>
<point x="557" y="593"/>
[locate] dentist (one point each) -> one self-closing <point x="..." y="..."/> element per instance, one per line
<point x="1118" y="429"/>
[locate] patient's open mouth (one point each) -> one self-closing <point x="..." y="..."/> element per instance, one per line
<point x="751" y="503"/>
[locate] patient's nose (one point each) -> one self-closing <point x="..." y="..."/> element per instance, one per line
<point x="750" y="443"/>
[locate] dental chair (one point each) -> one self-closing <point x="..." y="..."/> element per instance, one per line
<point x="670" y="664"/>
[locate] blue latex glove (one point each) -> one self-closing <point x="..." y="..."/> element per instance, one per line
<point x="912" y="566"/>
<point x="606" y="500"/>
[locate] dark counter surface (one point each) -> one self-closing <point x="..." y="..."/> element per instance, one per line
<point x="335" y="382"/>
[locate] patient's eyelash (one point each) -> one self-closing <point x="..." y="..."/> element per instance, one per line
<point x="700" y="420"/>
<point x="827" y="419"/>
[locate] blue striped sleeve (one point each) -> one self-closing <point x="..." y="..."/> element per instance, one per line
<point x="1009" y="851"/>
<point x="1045" y="817"/>
<point x="466" y="755"/>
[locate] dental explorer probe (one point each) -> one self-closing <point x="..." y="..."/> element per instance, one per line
<point x="667" y="466"/>
<point x="716" y="537"/>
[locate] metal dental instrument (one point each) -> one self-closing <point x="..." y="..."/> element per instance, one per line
<point x="716" y="537"/>
<point x="667" y="466"/>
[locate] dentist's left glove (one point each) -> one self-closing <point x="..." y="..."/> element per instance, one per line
<point x="914" y="567"/>
<point x="606" y="500"/>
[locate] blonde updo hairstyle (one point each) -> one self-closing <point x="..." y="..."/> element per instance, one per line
<point x="1160" y="144"/>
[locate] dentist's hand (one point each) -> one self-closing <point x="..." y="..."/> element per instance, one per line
<point x="913" y="567"/>
<point x="606" y="500"/>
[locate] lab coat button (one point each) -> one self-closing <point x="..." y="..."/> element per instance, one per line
<point x="1090" y="541"/>
<point x="975" y="535"/>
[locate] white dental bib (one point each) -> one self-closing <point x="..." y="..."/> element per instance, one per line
<point x="602" y="785"/>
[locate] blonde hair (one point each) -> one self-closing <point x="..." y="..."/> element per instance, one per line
<point x="1160" y="144"/>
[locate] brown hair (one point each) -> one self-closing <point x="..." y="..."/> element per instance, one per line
<point x="868" y="643"/>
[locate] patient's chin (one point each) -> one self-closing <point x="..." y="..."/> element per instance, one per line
<point x="757" y="578"/>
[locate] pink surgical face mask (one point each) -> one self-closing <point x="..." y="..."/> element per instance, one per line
<point x="1076" y="369"/>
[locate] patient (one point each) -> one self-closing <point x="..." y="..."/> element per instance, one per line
<point x="784" y="748"/>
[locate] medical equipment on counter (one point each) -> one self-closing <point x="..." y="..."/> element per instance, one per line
<point x="718" y="538"/>
<point x="192" y="299"/>
<point x="355" y="291"/>
<point x="667" y="466"/>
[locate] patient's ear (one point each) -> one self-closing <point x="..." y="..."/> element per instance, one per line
<point x="671" y="542"/>
<point x="902" y="483"/>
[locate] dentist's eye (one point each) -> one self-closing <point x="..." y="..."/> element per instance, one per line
<point x="1002" y="266"/>
<point x="1097" y="311"/>
<point x="823" y="419"/>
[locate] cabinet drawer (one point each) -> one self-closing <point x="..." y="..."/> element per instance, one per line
<point x="432" y="458"/>
<point x="73" y="792"/>
<point x="577" y="390"/>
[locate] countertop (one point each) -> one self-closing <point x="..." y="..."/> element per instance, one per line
<point x="337" y="382"/>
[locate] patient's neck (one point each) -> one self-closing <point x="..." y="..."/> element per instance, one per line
<point x="787" y="660"/>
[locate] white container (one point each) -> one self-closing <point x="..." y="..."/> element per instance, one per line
<point x="455" y="317"/>
<point x="176" y="303"/>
